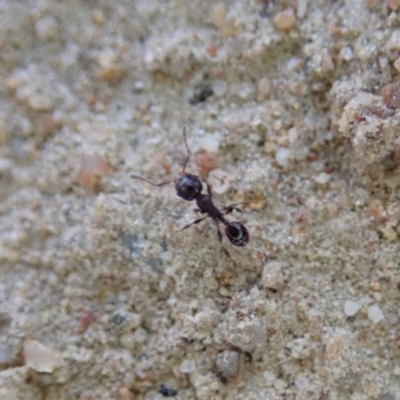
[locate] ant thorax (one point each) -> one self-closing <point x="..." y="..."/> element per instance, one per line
<point x="206" y="206"/>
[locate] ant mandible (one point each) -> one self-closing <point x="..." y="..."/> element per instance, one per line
<point x="189" y="188"/>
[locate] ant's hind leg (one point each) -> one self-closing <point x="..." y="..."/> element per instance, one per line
<point x="224" y="250"/>
<point x="192" y="223"/>
<point x="219" y="233"/>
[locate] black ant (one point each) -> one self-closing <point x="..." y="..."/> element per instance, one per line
<point x="189" y="188"/>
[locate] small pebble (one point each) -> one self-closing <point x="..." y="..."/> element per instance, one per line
<point x="391" y="94"/>
<point x="280" y="384"/>
<point x="396" y="64"/>
<point x="269" y="378"/>
<point x="219" y="87"/>
<point x="301" y="8"/>
<point x="351" y="308"/>
<point x="270" y="147"/>
<point x="302" y="382"/>
<point x="377" y="297"/>
<point x="257" y="201"/>
<point x="372" y="4"/>
<point x="393" y="44"/>
<point x="219" y="180"/>
<point x="93" y="169"/>
<point x="131" y="340"/>
<point x="322" y="178"/>
<point x="86" y="318"/>
<point x="3" y="130"/>
<point x="209" y="143"/>
<point x="375" y="314"/>
<point x="282" y="156"/>
<point x="187" y="366"/>
<point x="133" y="320"/>
<point x="5" y="165"/>
<point x="125" y="393"/>
<point x="294" y="64"/>
<point x="249" y="335"/>
<point x="285" y="20"/>
<point x="40" y="102"/>
<point x="6" y="355"/>
<point x="393" y="4"/>
<point x="111" y="73"/>
<point x="293" y="134"/>
<point x="272" y="275"/>
<point x="42" y="358"/>
<point x="346" y="53"/>
<point x="224" y="292"/>
<point x="218" y="15"/>
<point x="138" y="87"/>
<point x="128" y="341"/>
<point x="227" y="363"/>
<point x="244" y="90"/>
<point x="389" y="234"/>
<point x="376" y="286"/>
<point x="300" y="348"/>
<point x="110" y="70"/>
<point x="206" y="161"/>
<point x="263" y="89"/>
<point x="46" y="29"/>
<point x="98" y="17"/>
<point x="141" y="335"/>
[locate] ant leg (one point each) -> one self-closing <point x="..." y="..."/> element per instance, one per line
<point x="184" y="130"/>
<point x="229" y="209"/>
<point x="224" y="250"/>
<point x="219" y="233"/>
<point x="197" y="210"/>
<point x="209" y="190"/>
<point x="151" y="183"/>
<point x="192" y="223"/>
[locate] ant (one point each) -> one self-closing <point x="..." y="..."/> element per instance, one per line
<point x="189" y="188"/>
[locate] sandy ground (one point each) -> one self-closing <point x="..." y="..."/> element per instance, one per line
<point x="291" y="107"/>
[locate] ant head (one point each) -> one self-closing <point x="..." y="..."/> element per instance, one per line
<point x="237" y="234"/>
<point x="188" y="186"/>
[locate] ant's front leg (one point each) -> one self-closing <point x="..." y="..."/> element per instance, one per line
<point x="197" y="210"/>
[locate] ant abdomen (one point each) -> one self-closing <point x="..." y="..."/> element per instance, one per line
<point x="188" y="186"/>
<point x="237" y="233"/>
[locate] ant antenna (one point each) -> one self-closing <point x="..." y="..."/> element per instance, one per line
<point x="184" y="130"/>
<point x="151" y="183"/>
